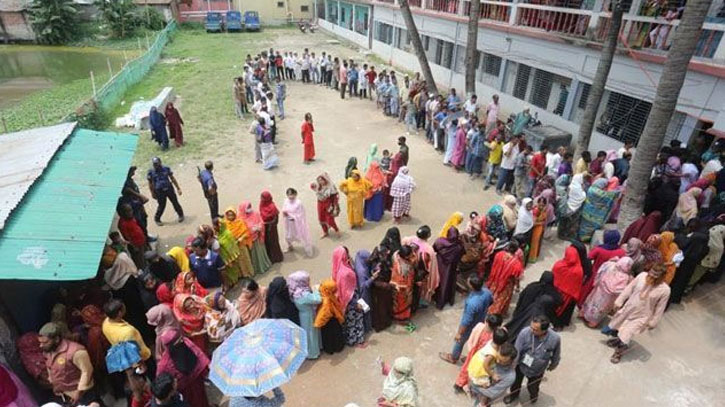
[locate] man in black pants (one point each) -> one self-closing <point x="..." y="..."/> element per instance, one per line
<point x="160" y="180"/>
<point x="208" y="186"/>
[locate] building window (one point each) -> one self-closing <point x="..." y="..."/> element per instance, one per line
<point x="305" y="9"/>
<point x="541" y="89"/>
<point x="584" y="96"/>
<point x="384" y="32"/>
<point x="490" y="66"/>
<point x="522" y="81"/>
<point x="280" y="4"/>
<point x="402" y="41"/>
<point x="623" y="117"/>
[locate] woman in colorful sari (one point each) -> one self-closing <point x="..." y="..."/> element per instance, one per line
<point x="174" y="120"/>
<point x="504" y="278"/>
<point x="400" y="388"/>
<point x="561" y="189"/>
<point x="381" y="293"/>
<point x="599" y="255"/>
<point x="190" y="310"/>
<point x="306" y="302"/>
<point x="427" y="259"/>
<point x="186" y="283"/>
<point x="270" y="215"/>
<point x="295" y="222"/>
<point x="255" y="224"/>
<point x="221" y="318"/>
<point x="448" y="253"/>
<point x="395" y="165"/>
<point x="329" y="318"/>
<point x="375" y="200"/>
<point x="328" y="203"/>
<point x="611" y="280"/>
<point x="569" y="219"/>
<point x="162" y="318"/>
<point x="371" y="157"/>
<point x="403" y="278"/>
<point x="453" y="221"/>
<point x="401" y="189"/>
<point x="240" y="231"/>
<point x="188" y="363"/>
<point x="495" y="226"/>
<point x="540" y="215"/>
<point x="568" y="280"/>
<point x="365" y="281"/>
<point x="237" y="263"/>
<point x="348" y="295"/>
<point x="356" y="189"/>
<point x="252" y="302"/>
<point x="351" y="165"/>
<point x="597" y="207"/>
<point x="651" y="251"/>
<point x="458" y="157"/>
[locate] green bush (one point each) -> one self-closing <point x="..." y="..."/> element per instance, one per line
<point x="91" y="116"/>
<point x="120" y="15"/>
<point x="150" y="18"/>
<point x="54" y="21"/>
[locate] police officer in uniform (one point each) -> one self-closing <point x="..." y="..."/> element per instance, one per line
<point x="160" y="179"/>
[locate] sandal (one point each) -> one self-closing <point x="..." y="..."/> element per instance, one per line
<point x="447" y="358"/>
<point x="616" y="358"/>
<point x="410" y="327"/>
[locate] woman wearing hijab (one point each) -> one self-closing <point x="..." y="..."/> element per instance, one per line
<point x="395" y="165"/>
<point x="162" y="318"/>
<point x="351" y="165"/>
<point x="495" y="226"/>
<point x="599" y="255"/>
<point x="427" y="261"/>
<point x="568" y="279"/>
<point x="510" y="216"/>
<point x="221" y="318"/>
<point x="453" y="221"/>
<point x="569" y="220"/>
<point x="400" y="388"/>
<point x="157" y="122"/>
<point x="640" y="307"/>
<point x="715" y="244"/>
<point x="644" y="226"/>
<point x="356" y="189"/>
<point x="330" y="318"/>
<point x="694" y="245"/>
<point x="348" y="296"/>
<point x="174" y="120"/>
<point x="651" y="252"/>
<point x="458" y="156"/>
<point x="449" y="250"/>
<point x="295" y="222"/>
<point x="270" y="215"/>
<point x="328" y="203"/>
<point x="403" y="278"/>
<point x="186" y="283"/>
<point x="190" y="310"/>
<point x="239" y="229"/>
<point x="279" y="304"/>
<point x="596" y="210"/>
<point x="188" y="364"/>
<point x="686" y="209"/>
<point x="669" y="249"/>
<point x="13" y="392"/>
<point x="252" y="302"/>
<point x="306" y="302"/>
<point x="506" y="271"/>
<point x="611" y="279"/>
<point x="179" y="255"/>
<point x="365" y="281"/>
<point x="237" y="263"/>
<point x="401" y="189"/>
<point x="525" y="222"/>
<point x="561" y="189"/>
<point x="542" y="212"/>
<point x="381" y="293"/>
<point x="371" y="157"/>
<point x="255" y="224"/>
<point x="375" y="199"/>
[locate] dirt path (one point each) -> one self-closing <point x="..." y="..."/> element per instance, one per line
<point x="347" y="128"/>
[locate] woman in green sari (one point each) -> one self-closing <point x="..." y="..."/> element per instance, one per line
<point x="237" y="262"/>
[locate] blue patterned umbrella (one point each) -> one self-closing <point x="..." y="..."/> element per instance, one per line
<point x="258" y="357"/>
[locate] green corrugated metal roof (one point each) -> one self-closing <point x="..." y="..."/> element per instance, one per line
<point x="58" y="230"/>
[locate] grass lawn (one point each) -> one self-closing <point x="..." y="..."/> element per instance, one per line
<point x="203" y="82"/>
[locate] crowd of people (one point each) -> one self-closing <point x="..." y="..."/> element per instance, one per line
<point x="149" y="332"/>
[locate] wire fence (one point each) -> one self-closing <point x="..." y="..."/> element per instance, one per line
<point x="112" y="91"/>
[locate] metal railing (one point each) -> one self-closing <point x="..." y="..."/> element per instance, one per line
<point x="490" y="11"/>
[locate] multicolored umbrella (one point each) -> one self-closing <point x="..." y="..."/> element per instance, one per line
<point x="258" y="357"/>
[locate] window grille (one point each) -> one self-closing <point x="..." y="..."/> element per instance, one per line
<point x="623" y="118"/>
<point x="522" y="81"/>
<point x="541" y="89"/>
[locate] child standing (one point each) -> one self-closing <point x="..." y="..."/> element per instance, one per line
<point x="385" y="161"/>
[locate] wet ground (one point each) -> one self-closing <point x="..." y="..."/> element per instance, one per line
<point x="678" y="364"/>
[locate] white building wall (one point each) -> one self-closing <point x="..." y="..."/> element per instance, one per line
<point x="702" y="95"/>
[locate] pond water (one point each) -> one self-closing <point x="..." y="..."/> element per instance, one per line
<point x="27" y="69"/>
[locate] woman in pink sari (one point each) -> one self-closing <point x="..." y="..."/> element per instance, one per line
<point x="458" y="158"/>
<point x="610" y="281"/>
<point x="13" y="392"/>
<point x="295" y="222"/>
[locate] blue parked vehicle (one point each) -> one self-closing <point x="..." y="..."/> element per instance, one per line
<point x="234" y="21"/>
<point x="251" y="21"/>
<point x="214" y="22"/>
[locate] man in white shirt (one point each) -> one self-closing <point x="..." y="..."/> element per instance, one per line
<point x="305" y="68"/>
<point x="314" y="66"/>
<point x="492" y="114"/>
<point x="508" y="163"/>
<point x="553" y="160"/>
<point x="628" y="148"/>
<point x="471" y="107"/>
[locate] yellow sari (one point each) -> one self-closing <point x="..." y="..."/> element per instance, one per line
<point x="455" y="220"/>
<point x="238" y="228"/>
<point x="356" y="192"/>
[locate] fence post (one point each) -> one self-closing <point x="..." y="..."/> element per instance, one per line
<point x="110" y="70"/>
<point x="5" y="125"/>
<point x="93" y="82"/>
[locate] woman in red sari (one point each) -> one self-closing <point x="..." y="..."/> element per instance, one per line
<point x="395" y="165"/>
<point x="174" y="120"/>
<point x="568" y="280"/>
<point x="96" y="343"/>
<point x="504" y="278"/>
<point x="190" y="310"/>
<point x="328" y="203"/>
<point x="403" y="278"/>
<point x="307" y="139"/>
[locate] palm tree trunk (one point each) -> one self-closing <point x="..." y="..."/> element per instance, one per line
<point x="471" y="47"/>
<point x="600" y="81"/>
<point x="663" y="107"/>
<point x="417" y="46"/>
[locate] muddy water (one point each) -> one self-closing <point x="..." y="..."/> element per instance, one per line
<point x="27" y="69"/>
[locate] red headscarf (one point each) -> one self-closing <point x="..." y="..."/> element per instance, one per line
<point x="568" y="274"/>
<point x="252" y="219"/>
<point x="267" y="209"/>
<point x="343" y="275"/>
<point x="181" y="287"/>
<point x="165" y="295"/>
<point x="192" y="321"/>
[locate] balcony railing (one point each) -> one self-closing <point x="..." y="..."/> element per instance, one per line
<point x="638" y="32"/>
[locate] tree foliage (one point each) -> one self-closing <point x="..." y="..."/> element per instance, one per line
<point x="120" y="15"/>
<point x="54" y="21"/>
